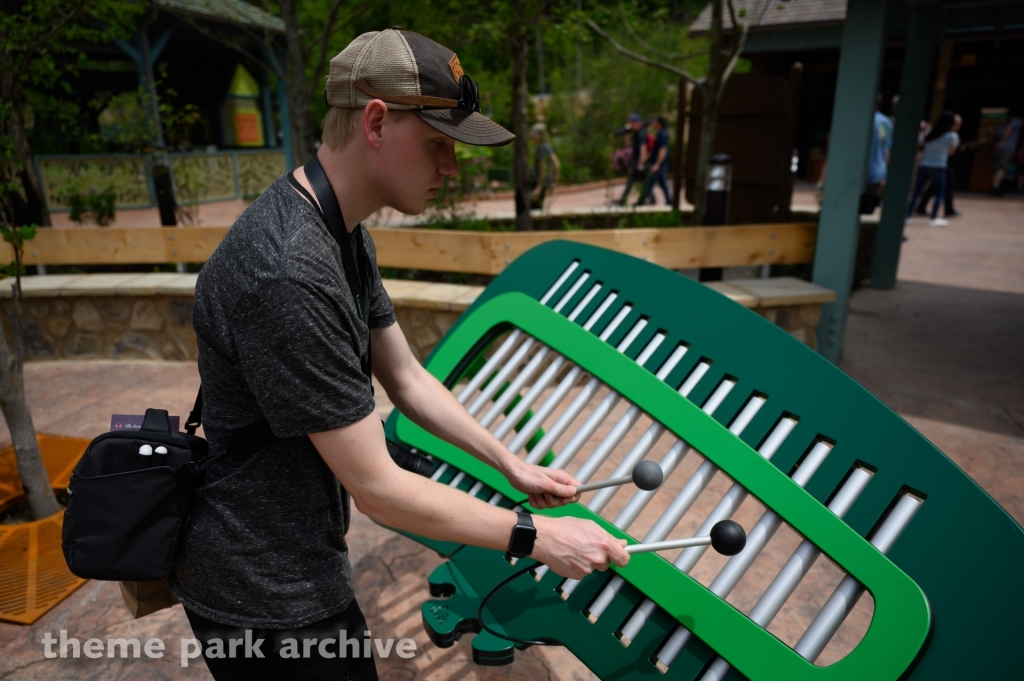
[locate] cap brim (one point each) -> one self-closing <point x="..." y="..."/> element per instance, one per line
<point x="470" y="127"/>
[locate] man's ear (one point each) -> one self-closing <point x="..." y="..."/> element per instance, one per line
<point x="373" y="122"/>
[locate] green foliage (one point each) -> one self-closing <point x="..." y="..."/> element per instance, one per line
<point x="92" y="206"/>
<point x="16" y="237"/>
<point x="10" y="167"/>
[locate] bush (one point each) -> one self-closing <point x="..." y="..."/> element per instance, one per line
<point x="92" y="206"/>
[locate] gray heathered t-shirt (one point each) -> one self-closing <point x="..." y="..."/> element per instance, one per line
<point x="279" y="336"/>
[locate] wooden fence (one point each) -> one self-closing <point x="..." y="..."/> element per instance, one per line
<point x="447" y="251"/>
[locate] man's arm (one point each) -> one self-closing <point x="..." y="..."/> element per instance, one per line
<point x="422" y="398"/>
<point x="662" y="153"/>
<point x="357" y="455"/>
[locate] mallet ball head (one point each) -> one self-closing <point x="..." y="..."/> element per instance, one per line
<point x="728" y="538"/>
<point x="647" y="475"/>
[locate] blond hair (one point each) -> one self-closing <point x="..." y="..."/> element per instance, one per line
<point x="340" y="124"/>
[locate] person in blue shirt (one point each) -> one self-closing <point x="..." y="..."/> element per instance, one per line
<point x="659" y="162"/>
<point x="939" y="144"/>
<point x="1007" y="138"/>
<point x="878" y="160"/>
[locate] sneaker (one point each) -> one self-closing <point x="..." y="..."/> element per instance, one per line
<point x="939" y="222"/>
<point x="954" y="214"/>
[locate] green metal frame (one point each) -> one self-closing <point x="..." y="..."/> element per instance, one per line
<point x="923" y="580"/>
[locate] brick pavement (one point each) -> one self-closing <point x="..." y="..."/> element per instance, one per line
<point x="942" y="349"/>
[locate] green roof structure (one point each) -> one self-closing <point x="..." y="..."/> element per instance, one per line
<point x="234" y="12"/>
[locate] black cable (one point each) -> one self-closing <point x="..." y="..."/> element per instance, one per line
<point x="480" y="611"/>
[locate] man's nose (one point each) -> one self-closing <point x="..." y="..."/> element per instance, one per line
<point x="449" y="164"/>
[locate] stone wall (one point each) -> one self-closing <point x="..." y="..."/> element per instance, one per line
<point x="108" y="327"/>
<point x="149" y="316"/>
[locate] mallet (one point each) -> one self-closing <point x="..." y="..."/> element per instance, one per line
<point x="647" y="475"/>
<point x="727" y="537"/>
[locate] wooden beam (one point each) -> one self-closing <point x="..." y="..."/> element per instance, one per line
<point x="671" y="247"/>
<point x="129" y="246"/>
<point x="448" y="251"/>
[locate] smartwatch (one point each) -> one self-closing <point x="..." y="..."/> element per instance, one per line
<point x="524" y="534"/>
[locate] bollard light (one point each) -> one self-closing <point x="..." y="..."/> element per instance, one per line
<point x="719" y="173"/>
<point x="716" y="207"/>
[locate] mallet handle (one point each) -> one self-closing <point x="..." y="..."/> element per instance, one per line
<point x="611" y="482"/>
<point x="670" y="544"/>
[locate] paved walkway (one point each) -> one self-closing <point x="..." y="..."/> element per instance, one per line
<point x="943" y="349"/>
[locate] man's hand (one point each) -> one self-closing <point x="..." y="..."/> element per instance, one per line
<point x="547" y="488"/>
<point x="574" y="547"/>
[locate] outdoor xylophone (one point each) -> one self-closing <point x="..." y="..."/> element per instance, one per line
<point x="571" y="339"/>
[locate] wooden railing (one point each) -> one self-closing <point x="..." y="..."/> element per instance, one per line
<point x="448" y="251"/>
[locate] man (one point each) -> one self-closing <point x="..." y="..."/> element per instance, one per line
<point x="878" y="160"/>
<point x="546" y="165"/>
<point x="1005" y="148"/>
<point x="282" y="341"/>
<point x="658" y="159"/>
<point x="637" y="158"/>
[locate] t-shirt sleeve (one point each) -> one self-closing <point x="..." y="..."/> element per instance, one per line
<point x="297" y="351"/>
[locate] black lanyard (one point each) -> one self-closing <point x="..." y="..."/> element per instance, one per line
<point x="330" y="212"/>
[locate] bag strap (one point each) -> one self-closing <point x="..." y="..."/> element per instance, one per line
<point x="326" y="205"/>
<point x="195" y="417"/>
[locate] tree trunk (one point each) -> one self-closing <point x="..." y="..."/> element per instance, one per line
<point x="10" y="92"/>
<point x="33" y="476"/>
<point x="712" y="92"/>
<point x="519" y="39"/>
<point x="299" y="89"/>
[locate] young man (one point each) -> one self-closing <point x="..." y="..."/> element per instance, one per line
<point x="281" y="347"/>
<point x="659" y="160"/>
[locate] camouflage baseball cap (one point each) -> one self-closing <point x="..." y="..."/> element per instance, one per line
<point x="412" y="73"/>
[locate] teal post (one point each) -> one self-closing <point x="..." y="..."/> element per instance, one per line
<point x="286" y="124"/>
<point x="860" y="61"/>
<point x="268" y="116"/>
<point x="914" y="84"/>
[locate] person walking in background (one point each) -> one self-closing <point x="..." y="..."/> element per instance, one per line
<point x="1007" y="138"/>
<point x="658" y="163"/>
<point x="878" y="160"/>
<point x="545" y="166"/>
<point x="638" y="148"/>
<point x="940" y="143"/>
<point x="1020" y="170"/>
<point x="930" y="190"/>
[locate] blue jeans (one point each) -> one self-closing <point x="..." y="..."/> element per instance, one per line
<point x="937" y="176"/>
<point x="660" y="178"/>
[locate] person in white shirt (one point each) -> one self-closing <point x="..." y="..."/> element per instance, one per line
<point x="939" y="144"/>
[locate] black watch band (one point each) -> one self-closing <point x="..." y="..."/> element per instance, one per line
<point x="524" y="534"/>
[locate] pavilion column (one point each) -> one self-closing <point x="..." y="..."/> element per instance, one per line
<point x="860" y="61"/>
<point x="914" y="83"/>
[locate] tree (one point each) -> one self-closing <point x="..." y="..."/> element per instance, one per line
<point x="34" y="479"/>
<point x="311" y="32"/>
<point x="722" y="60"/>
<point x="39" y="42"/>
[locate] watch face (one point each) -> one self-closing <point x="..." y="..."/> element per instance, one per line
<point x="523" y="538"/>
